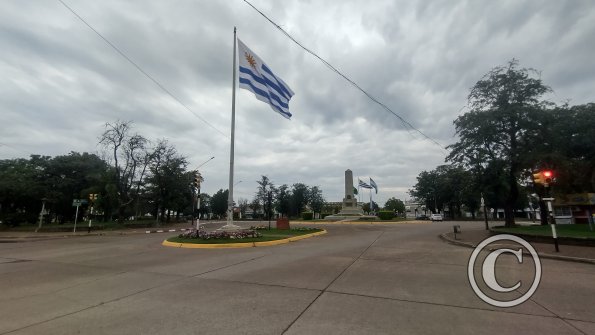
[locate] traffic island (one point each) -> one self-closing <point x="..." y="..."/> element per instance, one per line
<point x="265" y="237"/>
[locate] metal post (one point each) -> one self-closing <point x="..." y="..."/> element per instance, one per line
<point x="198" y="208"/>
<point x="485" y="214"/>
<point x="552" y="221"/>
<point x="90" y="219"/>
<point x="41" y="214"/>
<point x="230" y="225"/>
<point x="76" y="216"/>
<point x="193" y="206"/>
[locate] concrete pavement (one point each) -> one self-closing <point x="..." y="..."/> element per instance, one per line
<point x="357" y="279"/>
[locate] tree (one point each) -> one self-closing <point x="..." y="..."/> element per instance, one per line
<point x="316" y="199"/>
<point x="219" y="203"/>
<point x="255" y="205"/>
<point x="129" y="158"/>
<point x="168" y="182"/>
<point x="243" y="205"/>
<point x="366" y="207"/>
<point x="299" y="198"/>
<point x="264" y="195"/>
<point x="283" y="200"/>
<point x="504" y="106"/>
<point x="395" y="205"/>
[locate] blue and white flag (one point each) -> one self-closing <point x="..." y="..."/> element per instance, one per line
<point x="257" y="77"/>
<point x="373" y="184"/>
<point x="364" y="185"/>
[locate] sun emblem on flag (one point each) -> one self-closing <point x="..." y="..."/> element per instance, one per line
<point x="250" y="60"/>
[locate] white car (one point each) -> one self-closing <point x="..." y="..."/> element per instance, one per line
<point x="436" y="217"/>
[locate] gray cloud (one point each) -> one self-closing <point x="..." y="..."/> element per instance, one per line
<point x="60" y="83"/>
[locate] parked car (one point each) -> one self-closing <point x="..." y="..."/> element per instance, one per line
<point x="436" y="217"/>
<point x="422" y="217"/>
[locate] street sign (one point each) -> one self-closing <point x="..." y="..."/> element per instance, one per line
<point x="78" y="202"/>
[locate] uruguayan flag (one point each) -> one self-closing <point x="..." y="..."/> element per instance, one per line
<point x="364" y="185"/>
<point x="373" y="184"/>
<point x="257" y="77"/>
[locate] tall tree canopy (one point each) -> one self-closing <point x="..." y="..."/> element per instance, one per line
<point x="502" y="123"/>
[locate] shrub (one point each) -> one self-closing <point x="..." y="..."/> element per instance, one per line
<point x="386" y="215"/>
<point x="307" y="215"/>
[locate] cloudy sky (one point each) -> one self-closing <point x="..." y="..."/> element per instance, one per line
<point x="60" y="83"/>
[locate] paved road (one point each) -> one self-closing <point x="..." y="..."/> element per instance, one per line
<point x="357" y="279"/>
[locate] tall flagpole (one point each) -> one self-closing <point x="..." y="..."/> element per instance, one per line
<point x="230" y="225"/>
<point x="371" y="205"/>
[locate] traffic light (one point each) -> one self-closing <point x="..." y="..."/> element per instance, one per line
<point x="196" y="181"/>
<point x="548" y="176"/>
<point x="544" y="177"/>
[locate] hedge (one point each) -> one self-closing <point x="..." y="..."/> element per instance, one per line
<point x="307" y="215"/>
<point x="386" y="215"/>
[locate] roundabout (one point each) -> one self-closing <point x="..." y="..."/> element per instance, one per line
<point x="267" y="238"/>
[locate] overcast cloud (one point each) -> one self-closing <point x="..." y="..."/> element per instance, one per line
<point x="60" y="83"/>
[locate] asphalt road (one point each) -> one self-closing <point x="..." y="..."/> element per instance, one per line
<point x="357" y="279"/>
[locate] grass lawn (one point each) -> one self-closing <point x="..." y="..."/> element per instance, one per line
<point x="267" y="235"/>
<point x="564" y="230"/>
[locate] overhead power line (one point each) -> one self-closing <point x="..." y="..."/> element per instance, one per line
<point x="354" y="84"/>
<point x="151" y="78"/>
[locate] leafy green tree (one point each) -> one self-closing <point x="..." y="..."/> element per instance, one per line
<point x="395" y="205"/>
<point x="316" y="199"/>
<point x="300" y="197"/>
<point x="168" y="180"/>
<point x="219" y="203"/>
<point x="283" y="200"/>
<point x="366" y="207"/>
<point x="264" y="195"/>
<point x="504" y="106"/>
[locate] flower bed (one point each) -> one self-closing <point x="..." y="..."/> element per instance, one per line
<point x="220" y="235"/>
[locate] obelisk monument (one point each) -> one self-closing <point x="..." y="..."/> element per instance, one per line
<point x="349" y="206"/>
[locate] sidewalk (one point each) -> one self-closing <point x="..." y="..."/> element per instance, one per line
<point x="471" y="238"/>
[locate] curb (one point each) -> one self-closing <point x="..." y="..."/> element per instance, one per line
<point x="447" y="239"/>
<point x="363" y="222"/>
<point x="166" y="243"/>
<point x="165" y="230"/>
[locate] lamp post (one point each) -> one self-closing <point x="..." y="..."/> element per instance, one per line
<point x="485" y="214"/>
<point x="41" y="213"/>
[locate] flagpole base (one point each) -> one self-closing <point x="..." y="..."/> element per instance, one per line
<point x="230" y="227"/>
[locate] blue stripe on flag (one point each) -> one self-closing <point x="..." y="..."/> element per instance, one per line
<point x="266" y="82"/>
<point x="266" y="96"/>
<point x="282" y="87"/>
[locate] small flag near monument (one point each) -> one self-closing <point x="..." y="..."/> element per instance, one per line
<point x="256" y="77"/>
<point x="373" y="184"/>
<point x="364" y="185"/>
<point x="354" y="190"/>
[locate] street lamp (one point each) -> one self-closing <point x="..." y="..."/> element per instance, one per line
<point x="485" y="214"/>
<point x="205" y="162"/>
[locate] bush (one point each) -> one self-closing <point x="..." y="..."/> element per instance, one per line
<point x="386" y="215"/>
<point x="307" y="215"/>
